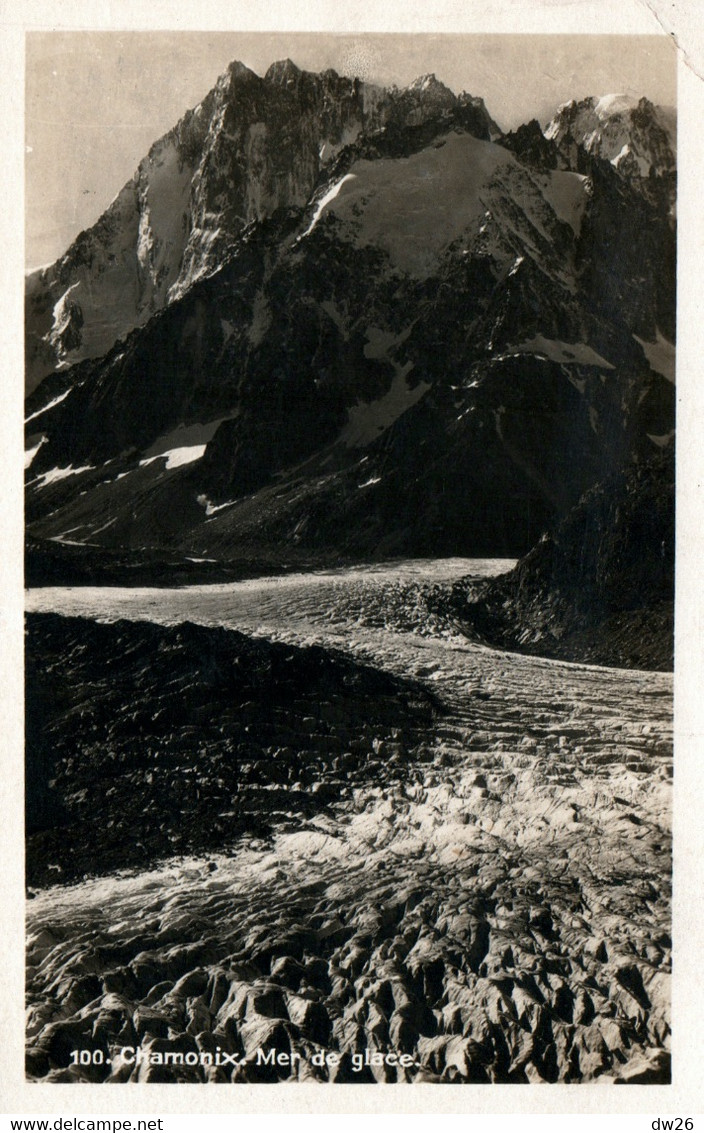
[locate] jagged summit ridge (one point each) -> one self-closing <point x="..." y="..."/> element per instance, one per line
<point x="634" y="135"/>
<point x="252" y="146"/>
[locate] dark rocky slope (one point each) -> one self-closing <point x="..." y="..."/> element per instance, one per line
<point x="600" y="588"/>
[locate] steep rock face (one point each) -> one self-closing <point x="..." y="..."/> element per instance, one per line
<point x="117" y="273"/>
<point x="627" y="255"/>
<point x="251" y="147"/>
<point x="530" y="145"/>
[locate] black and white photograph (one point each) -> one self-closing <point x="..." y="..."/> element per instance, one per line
<point x="349" y="562"/>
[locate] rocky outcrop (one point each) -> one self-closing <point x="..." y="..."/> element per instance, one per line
<point x="600" y="588"/>
<point x="529" y="144"/>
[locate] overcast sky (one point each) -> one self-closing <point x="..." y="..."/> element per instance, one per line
<point x="95" y="101"/>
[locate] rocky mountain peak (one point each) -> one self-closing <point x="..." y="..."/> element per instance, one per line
<point x="231" y="85"/>
<point x="530" y="146"/>
<point x="238" y="70"/>
<point x="284" y="72"/>
<point x="636" y="137"/>
<point x="430" y="84"/>
<point x="431" y="92"/>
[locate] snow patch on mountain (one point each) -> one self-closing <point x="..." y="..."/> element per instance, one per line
<point x="49" y="405"/>
<point x="660" y="354"/>
<point x="183" y="445"/>
<point x="201" y="258"/>
<point x="211" y="508"/>
<point x="86" y="529"/>
<point x="31" y="452"/>
<point x="626" y="154"/>
<point x="67" y="319"/>
<point x="567" y="194"/>
<point x="610" y="104"/>
<point x="185" y="436"/>
<point x="176" y="457"/>
<point x="574" y="353"/>
<point x="442" y="191"/>
<point x="324" y="201"/>
<point x="54" y="474"/>
<point x="367" y="420"/>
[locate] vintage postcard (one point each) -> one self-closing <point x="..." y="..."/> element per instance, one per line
<point x="349" y="564"/>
